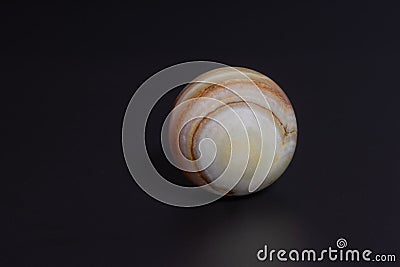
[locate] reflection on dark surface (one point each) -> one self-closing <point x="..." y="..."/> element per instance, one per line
<point x="231" y="234"/>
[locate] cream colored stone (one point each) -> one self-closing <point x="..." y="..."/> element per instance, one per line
<point x="227" y="106"/>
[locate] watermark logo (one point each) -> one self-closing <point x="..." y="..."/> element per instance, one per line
<point x="134" y="147"/>
<point x="341" y="243"/>
<point x="333" y="254"/>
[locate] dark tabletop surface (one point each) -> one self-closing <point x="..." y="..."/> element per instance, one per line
<point x="69" y="71"/>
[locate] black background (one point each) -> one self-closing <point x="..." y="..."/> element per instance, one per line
<point x="69" y="71"/>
